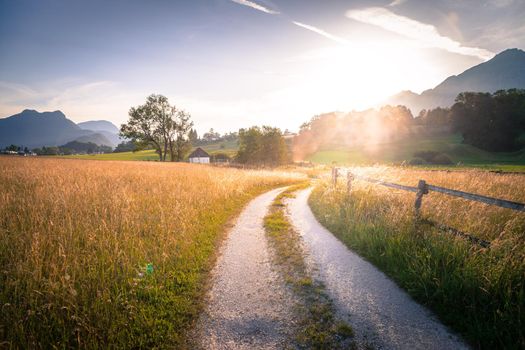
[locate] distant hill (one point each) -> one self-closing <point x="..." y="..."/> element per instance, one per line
<point x="96" y="138"/>
<point x="504" y="71"/>
<point x="34" y="129"/>
<point x="99" y="125"/>
<point x="105" y="128"/>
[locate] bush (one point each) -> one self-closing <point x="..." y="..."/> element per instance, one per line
<point x="427" y="156"/>
<point x="431" y="157"/>
<point x="442" y="159"/>
<point x="220" y="157"/>
<point x="416" y="161"/>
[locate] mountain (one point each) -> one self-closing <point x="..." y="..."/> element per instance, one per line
<point x="99" y="125"/>
<point x="34" y="129"/>
<point x="96" y="138"/>
<point x="104" y="128"/>
<point x="506" y="70"/>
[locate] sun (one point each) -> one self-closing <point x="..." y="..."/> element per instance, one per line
<point x="364" y="75"/>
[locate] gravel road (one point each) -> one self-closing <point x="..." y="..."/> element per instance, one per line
<point x="379" y="311"/>
<point x="249" y="306"/>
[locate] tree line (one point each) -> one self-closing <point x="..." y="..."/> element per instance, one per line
<point x="493" y="122"/>
<point x="169" y="131"/>
<point x="73" y="147"/>
<point x="262" y="146"/>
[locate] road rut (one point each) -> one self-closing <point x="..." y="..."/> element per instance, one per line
<point x="249" y="306"/>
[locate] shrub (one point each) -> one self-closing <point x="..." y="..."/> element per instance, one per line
<point x="431" y="157"/>
<point x="416" y="161"/>
<point x="426" y="155"/>
<point x="441" y="159"/>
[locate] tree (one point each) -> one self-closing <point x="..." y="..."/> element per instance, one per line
<point x="264" y="145"/>
<point x="159" y="125"/>
<point x="126" y="146"/>
<point x="493" y="122"/>
<point x="193" y="136"/>
<point x="182" y="144"/>
<point x="13" y="148"/>
<point x="50" y="151"/>
<point x="211" y="136"/>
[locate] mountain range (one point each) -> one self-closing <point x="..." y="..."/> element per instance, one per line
<point x="34" y="129"/>
<point x="506" y="70"/>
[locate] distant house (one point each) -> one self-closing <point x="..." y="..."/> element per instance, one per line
<point x="199" y="156"/>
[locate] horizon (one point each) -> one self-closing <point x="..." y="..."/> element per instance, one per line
<point x="237" y="63"/>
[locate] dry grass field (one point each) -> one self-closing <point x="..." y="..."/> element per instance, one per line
<point x="479" y="292"/>
<point x="97" y="253"/>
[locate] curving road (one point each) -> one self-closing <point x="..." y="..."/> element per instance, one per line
<point x="381" y="314"/>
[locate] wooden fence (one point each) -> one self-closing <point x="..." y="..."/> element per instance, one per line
<point x="422" y="189"/>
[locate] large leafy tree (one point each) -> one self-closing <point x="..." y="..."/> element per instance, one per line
<point x="159" y="125"/>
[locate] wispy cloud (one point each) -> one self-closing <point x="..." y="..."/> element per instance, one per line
<point x="425" y="34"/>
<point x="397" y="2"/>
<point x="256" y="6"/>
<point x="321" y="32"/>
<point x="299" y="24"/>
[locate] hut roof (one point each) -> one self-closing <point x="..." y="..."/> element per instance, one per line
<point x="199" y="153"/>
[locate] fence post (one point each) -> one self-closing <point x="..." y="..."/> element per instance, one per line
<point x="334" y="176"/>
<point x="422" y="190"/>
<point x="349" y="178"/>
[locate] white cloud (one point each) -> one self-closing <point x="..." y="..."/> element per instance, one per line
<point x="425" y="34"/>
<point x="256" y="6"/>
<point x="321" y="32"/>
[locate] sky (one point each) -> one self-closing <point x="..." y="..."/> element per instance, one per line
<point x="238" y="63"/>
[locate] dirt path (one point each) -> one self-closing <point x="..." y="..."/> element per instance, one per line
<point x="249" y="306"/>
<point x="379" y="311"/>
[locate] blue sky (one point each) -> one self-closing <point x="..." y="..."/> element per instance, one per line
<point x="235" y="63"/>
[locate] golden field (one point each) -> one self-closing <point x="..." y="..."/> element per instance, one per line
<point x="479" y="292"/>
<point x="481" y="220"/>
<point x="76" y="238"/>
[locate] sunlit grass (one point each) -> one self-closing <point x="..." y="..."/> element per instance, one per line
<point x="76" y="238"/>
<point x="400" y="151"/>
<point x="479" y="292"/>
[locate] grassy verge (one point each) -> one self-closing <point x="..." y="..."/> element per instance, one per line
<point x="478" y="292"/>
<point x="111" y="254"/>
<point x="318" y="327"/>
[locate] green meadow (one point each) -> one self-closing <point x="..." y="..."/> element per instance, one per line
<point x="402" y="151"/>
<point x="228" y="147"/>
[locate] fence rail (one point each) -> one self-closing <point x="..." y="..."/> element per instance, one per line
<point x="423" y="188"/>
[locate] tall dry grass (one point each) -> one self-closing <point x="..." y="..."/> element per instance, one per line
<point x="478" y="292"/>
<point x="76" y="237"/>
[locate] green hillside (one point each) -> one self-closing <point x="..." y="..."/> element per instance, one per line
<point x="399" y="151"/>
<point x="229" y="148"/>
